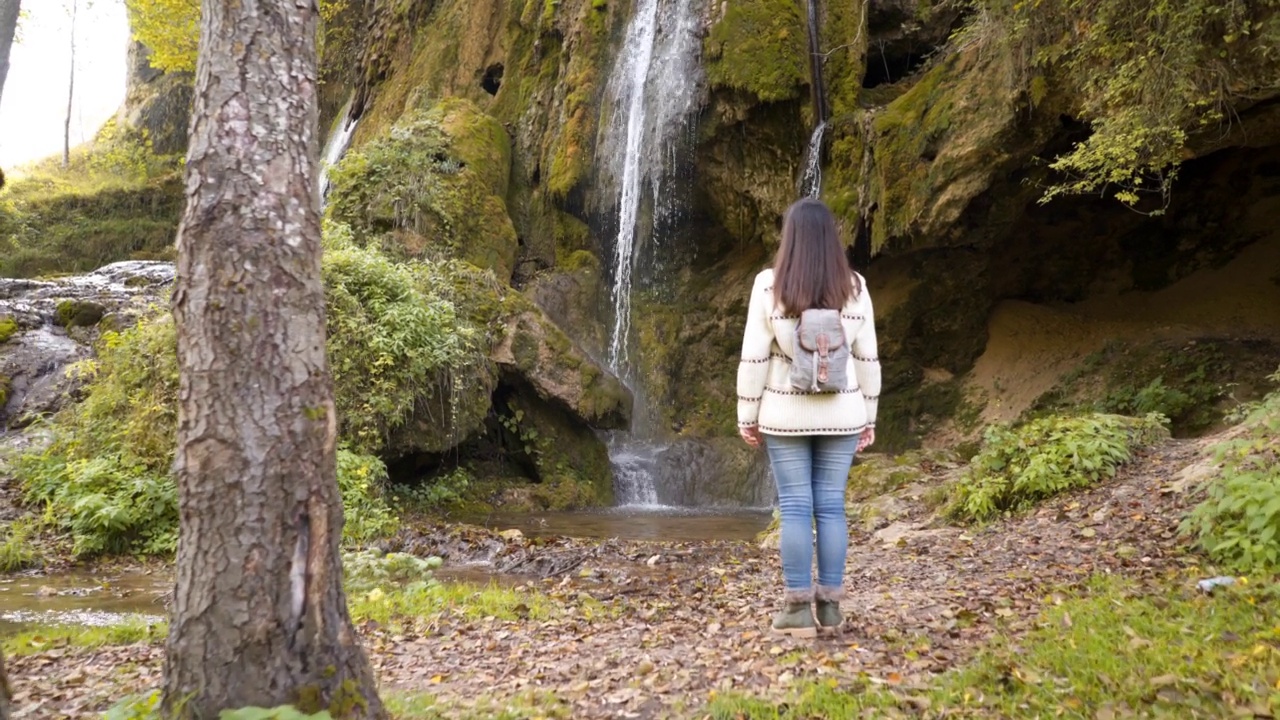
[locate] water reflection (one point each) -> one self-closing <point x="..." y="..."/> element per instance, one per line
<point x="78" y="598"/>
<point x="674" y="524"/>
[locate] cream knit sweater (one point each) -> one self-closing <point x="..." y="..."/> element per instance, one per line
<point x="765" y="397"/>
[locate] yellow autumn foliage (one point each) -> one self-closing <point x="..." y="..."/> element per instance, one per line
<point x="171" y="29"/>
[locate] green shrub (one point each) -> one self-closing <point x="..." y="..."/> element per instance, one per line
<point x="361" y="480"/>
<point x="1018" y="467"/>
<point x="1238" y="524"/>
<point x="105" y="477"/>
<point x="368" y="570"/>
<point x="394" y="341"/>
<point x="443" y="491"/>
<point x="16" y="550"/>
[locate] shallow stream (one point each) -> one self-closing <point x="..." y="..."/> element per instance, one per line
<point x="79" y="598"/>
<point x="82" y="598"/>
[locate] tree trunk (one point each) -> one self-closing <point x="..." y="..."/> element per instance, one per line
<point x="71" y="93"/>
<point x="260" y="617"/>
<point x="8" y="27"/>
<point x="4" y="691"/>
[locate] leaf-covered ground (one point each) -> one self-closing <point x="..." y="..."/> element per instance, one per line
<point x="649" y="629"/>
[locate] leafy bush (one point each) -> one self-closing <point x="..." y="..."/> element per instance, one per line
<point x="361" y="480"/>
<point x="1238" y="524"/>
<point x="442" y="491"/>
<point x="16" y="550"/>
<point x="105" y="478"/>
<point x="368" y="570"/>
<point x="1018" y="467"/>
<point x="394" y="341"/>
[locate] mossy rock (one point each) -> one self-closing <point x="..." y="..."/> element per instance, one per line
<point x="78" y="313"/>
<point x="570" y="295"/>
<point x="478" y="141"/>
<point x="743" y="149"/>
<point x="759" y="46"/>
<point x="8" y="327"/>
<point x="536" y="349"/>
<point x="434" y="187"/>
<point x="5" y="387"/>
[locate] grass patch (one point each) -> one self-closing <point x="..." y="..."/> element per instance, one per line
<point x="1114" y="651"/>
<point x="46" y="637"/>
<point x="428" y="602"/>
<point x="116" y="201"/>
<point x="394" y="610"/>
<point x="422" y="706"/>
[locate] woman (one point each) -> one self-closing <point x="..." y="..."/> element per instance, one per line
<point x="811" y="437"/>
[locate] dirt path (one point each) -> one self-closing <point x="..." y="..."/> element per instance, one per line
<point x="644" y="637"/>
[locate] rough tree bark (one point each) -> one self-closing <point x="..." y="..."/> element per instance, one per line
<point x="8" y="27"/>
<point x="4" y="691"/>
<point x="259" y="614"/>
<point x="9" y="10"/>
<point x="71" y="92"/>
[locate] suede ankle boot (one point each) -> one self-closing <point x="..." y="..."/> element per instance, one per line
<point x="796" y="617"/>
<point x="828" y="603"/>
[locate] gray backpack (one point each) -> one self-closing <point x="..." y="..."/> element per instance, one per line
<point x="821" y="362"/>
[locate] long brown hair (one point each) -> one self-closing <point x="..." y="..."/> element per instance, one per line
<point x="811" y="270"/>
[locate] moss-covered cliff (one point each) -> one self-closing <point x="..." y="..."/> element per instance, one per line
<point x="976" y="152"/>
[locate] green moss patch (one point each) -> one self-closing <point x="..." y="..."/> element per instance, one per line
<point x="760" y="47"/>
<point x="8" y="328"/>
<point x="433" y="186"/>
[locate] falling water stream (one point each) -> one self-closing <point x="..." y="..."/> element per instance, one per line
<point x="647" y="125"/>
<point x="336" y="146"/>
<point x="811" y="180"/>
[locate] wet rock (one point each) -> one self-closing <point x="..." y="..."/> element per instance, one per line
<point x="693" y="472"/>
<point x="539" y="352"/>
<point x="54" y="323"/>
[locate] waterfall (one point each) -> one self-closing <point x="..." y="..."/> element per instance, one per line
<point x="647" y="120"/>
<point x="651" y="93"/>
<point x="335" y="147"/>
<point x="811" y="180"/>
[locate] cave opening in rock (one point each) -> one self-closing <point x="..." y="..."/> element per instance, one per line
<point x="887" y="63"/>
<point x="492" y="78"/>
<point x="1036" y="307"/>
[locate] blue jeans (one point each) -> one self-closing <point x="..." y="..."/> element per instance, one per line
<point x="811" y="472"/>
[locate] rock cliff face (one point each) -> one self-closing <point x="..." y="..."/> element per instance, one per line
<point x="946" y="125"/>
